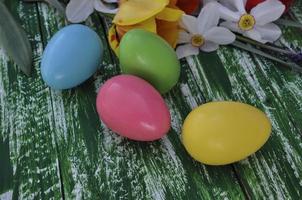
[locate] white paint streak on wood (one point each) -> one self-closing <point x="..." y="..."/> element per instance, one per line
<point x="194" y="63"/>
<point x="264" y="169"/>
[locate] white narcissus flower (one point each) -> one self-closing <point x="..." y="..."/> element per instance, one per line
<point x="257" y="24"/>
<point x="202" y="33"/>
<point x="226" y="3"/>
<point x="79" y="10"/>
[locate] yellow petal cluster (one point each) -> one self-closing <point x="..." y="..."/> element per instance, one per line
<point x="157" y="16"/>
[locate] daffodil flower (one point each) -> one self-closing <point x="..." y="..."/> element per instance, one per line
<point x="79" y="10"/>
<point x="202" y="33"/>
<point x="257" y="24"/>
<point x="158" y="16"/>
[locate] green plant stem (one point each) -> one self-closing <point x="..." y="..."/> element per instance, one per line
<point x="110" y="16"/>
<point x="245" y="47"/>
<point x="264" y="46"/>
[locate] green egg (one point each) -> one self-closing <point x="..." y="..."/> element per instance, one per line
<point x="146" y="55"/>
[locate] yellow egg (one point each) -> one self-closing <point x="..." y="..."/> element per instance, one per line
<point x="221" y="133"/>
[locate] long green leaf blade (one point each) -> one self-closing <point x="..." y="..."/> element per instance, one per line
<point x="14" y="40"/>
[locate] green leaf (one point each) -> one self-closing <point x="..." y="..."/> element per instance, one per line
<point x="14" y="40"/>
<point x="251" y="49"/>
<point x="265" y="46"/>
<point x="54" y="3"/>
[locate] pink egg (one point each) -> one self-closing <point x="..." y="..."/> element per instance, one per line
<point x="131" y="107"/>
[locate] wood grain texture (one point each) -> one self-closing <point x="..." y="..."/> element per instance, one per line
<point x="52" y="144"/>
<point x="26" y="119"/>
<point x="99" y="164"/>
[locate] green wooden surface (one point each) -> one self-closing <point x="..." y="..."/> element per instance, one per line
<point x="52" y="144"/>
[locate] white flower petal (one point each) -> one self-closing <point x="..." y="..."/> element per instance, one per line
<point x="230" y="5"/>
<point x="268" y="11"/>
<point x="269" y="32"/>
<point x="220" y="35"/>
<point x="208" y="17"/>
<point x="239" y="5"/>
<point x="233" y="26"/>
<point x="183" y="37"/>
<point x="227" y="4"/>
<point x="227" y="14"/>
<point x="189" y="23"/>
<point x="103" y="8"/>
<point x="186" y="50"/>
<point x="79" y="10"/>
<point x="111" y="1"/>
<point x="255" y="35"/>
<point x="209" y="46"/>
<point x="208" y="1"/>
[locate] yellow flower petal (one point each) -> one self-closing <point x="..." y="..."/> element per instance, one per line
<point x="148" y="25"/>
<point x="113" y="40"/>
<point x="117" y="32"/>
<point x="136" y="11"/>
<point x="170" y="14"/>
<point x="168" y="31"/>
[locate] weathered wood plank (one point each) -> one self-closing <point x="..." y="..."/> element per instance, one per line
<point x="230" y="83"/>
<point x="288" y="86"/>
<point x="96" y="163"/>
<point x="275" y="171"/>
<point x="230" y="74"/>
<point x="25" y="128"/>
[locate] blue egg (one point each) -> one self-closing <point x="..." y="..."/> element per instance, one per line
<point x="71" y="57"/>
